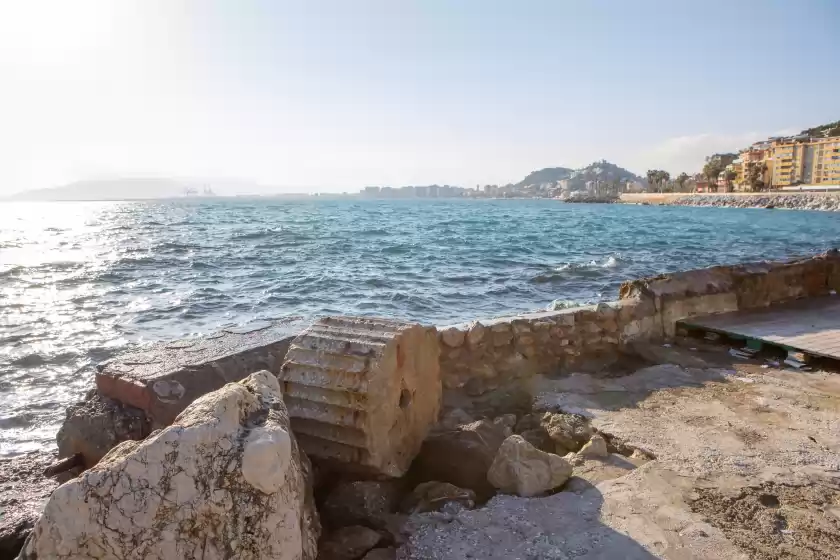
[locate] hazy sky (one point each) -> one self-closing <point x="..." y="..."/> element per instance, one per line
<point x="332" y="95"/>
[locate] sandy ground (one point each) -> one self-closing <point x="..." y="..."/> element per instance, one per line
<point x="747" y="465"/>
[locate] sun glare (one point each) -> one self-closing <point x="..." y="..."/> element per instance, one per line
<point x="48" y="31"/>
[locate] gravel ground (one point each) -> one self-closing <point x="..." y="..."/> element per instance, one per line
<point x="747" y="465"/>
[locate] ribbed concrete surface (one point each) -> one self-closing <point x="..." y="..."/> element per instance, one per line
<point x="363" y="391"/>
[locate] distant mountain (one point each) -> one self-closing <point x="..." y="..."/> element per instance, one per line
<point x="576" y="179"/>
<point x="112" y="189"/>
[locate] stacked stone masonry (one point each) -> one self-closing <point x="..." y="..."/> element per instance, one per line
<point x="648" y="309"/>
<point x="363" y="391"/>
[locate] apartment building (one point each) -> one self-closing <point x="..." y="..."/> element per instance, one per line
<point x="806" y="161"/>
<point x="759" y="154"/>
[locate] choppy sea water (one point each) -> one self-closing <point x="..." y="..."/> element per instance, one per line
<point x="80" y="282"/>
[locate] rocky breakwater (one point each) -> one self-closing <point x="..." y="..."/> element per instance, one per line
<point x="225" y="480"/>
<point x="801" y="201"/>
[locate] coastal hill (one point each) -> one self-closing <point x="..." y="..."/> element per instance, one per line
<point x="824" y="130"/>
<point x="550" y="175"/>
<point x="576" y="179"/>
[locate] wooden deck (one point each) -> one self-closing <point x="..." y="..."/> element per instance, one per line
<point x="810" y="325"/>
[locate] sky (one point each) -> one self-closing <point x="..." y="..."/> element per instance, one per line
<point x="333" y="95"/>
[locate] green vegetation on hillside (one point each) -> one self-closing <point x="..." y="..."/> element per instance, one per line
<point x="547" y="175"/>
<point x="716" y="163"/>
<point x="824" y="130"/>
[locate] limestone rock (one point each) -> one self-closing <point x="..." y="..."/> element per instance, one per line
<point x="432" y="495"/>
<point x="363" y="391"/>
<point x="348" y="543"/>
<point x="362" y="502"/>
<point x="568" y="431"/>
<point x="226" y="480"/>
<point x="461" y="457"/>
<point x="595" y="448"/>
<point x="476" y="334"/>
<point x="96" y="425"/>
<point x="522" y="469"/>
<point x="453" y="337"/>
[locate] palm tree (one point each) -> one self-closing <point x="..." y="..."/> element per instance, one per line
<point x="651" y="178"/>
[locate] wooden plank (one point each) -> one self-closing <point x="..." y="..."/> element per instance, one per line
<point x="811" y="325"/>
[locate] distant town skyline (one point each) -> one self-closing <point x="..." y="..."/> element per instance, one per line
<point x="332" y="96"/>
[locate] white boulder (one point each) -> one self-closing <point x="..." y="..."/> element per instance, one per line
<point x="225" y="480"/>
<point x="522" y="469"/>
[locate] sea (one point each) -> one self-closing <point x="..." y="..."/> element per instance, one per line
<point x="83" y="281"/>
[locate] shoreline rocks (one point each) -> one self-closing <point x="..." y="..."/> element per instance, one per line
<point x="23" y="491"/>
<point x="787" y="201"/>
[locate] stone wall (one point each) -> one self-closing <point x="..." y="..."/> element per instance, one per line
<point x="512" y="347"/>
<point x="723" y="289"/>
<point x="483" y="352"/>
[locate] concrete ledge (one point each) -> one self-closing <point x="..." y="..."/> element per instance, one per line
<point x="164" y="378"/>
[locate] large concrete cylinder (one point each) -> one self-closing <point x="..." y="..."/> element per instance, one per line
<point x="363" y="391"/>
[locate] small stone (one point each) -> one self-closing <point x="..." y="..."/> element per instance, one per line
<point x="522" y="469"/>
<point x="475" y="334"/>
<point x="500" y="328"/>
<point x="453" y="337"/>
<point x="502" y="338"/>
<point x="525" y="340"/>
<point x="348" y="543"/>
<point x="520" y="327"/>
<point x="568" y="431"/>
<point x="595" y="448"/>
<point x="433" y="495"/>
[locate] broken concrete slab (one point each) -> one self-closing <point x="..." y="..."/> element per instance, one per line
<point x="363" y="391"/>
<point x="95" y="425"/>
<point x="164" y="378"/>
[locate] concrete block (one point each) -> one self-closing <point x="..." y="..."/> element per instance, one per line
<point x="164" y="378"/>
